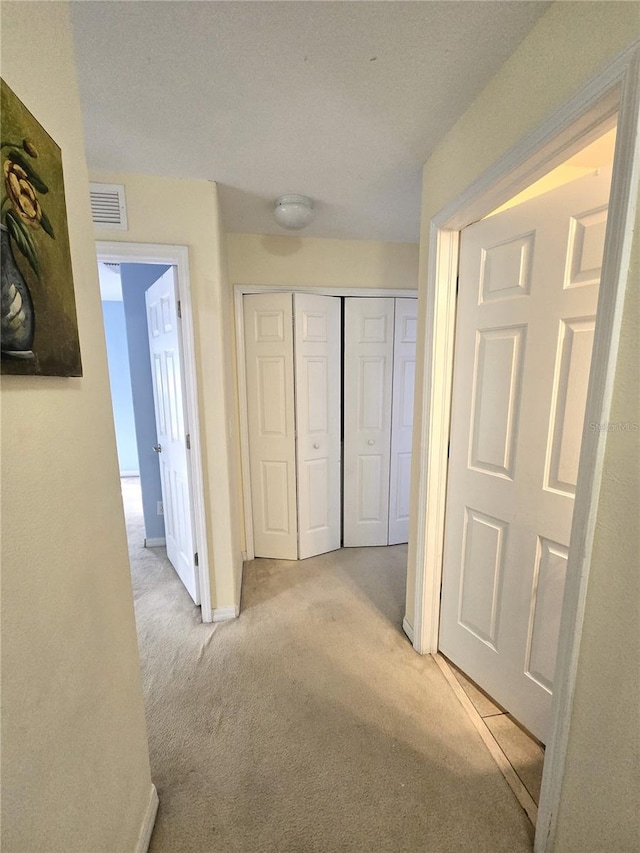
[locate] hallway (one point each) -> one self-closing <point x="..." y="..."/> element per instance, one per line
<point x="309" y="724"/>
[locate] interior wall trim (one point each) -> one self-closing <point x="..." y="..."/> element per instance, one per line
<point x="144" y="838"/>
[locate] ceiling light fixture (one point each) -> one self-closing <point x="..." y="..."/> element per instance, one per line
<point x="293" y="211"/>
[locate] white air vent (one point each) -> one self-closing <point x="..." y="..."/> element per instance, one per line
<point x="108" y="208"/>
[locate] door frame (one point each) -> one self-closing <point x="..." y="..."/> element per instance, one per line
<point x="613" y="97"/>
<point x="239" y="291"/>
<point x="178" y="257"/>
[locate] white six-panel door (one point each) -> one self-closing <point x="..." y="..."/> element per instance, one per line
<point x="526" y="314"/>
<point x="271" y="416"/>
<point x="318" y="383"/>
<point x="368" y="369"/>
<point x="404" y="369"/>
<point x="166" y="372"/>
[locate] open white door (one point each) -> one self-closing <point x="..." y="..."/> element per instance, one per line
<point x="271" y="416"/>
<point x="317" y="384"/>
<point x="404" y="371"/>
<point x="165" y="349"/>
<point x="526" y="315"/>
<point x="368" y="367"/>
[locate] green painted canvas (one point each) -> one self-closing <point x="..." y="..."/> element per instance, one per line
<point x="39" y="327"/>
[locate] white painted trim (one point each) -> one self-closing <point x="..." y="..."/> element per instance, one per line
<point x="129" y="473"/>
<point x="239" y="291"/>
<point x="178" y="256"/>
<point x="144" y="838"/>
<point x="497" y="753"/>
<point x="226" y="614"/>
<point x="586" y="115"/>
<point x="243" y="412"/>
<point x="156" y="542"/>
<point x="407" y="629"/>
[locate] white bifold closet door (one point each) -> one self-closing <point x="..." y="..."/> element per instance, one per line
<point x="293" y="384"/>
<point x="404" y="371"/>
<point x="368" y="377"/>
<point x="318" y="384"/>
<point x="379" y="372"/>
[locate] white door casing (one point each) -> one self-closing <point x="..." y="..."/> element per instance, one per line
<point x="268" y="319"/>
<point x="526" y="314"/>
<point x="404" y="368"/>
<point x="317" y="333"/>
<point x="368" y="370"/>
<point x="165" y="350"/>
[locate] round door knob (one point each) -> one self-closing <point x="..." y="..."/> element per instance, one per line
<point x="157" y="448"/>
<point x="371" y="442"/>
<point x="316" y="446"/>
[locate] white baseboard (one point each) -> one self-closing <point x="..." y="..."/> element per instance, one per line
<point x="147" y="824"/>
<point x="155" y="543"/>
<point x="407" y="629"/>
<point x="225" y="614"/>
<point x="243" y="554"/>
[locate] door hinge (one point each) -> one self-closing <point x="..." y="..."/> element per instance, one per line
<point x="179" y="308"/>
<point x="195" y="559"/>
<point x="188" y="440"/>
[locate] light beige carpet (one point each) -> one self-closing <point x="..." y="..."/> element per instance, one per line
<point x="309" y="725"/>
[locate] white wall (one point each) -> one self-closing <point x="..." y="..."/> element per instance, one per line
<point x="75" y="763"/>
<point x="570" y="44"/>
<point x="185" y="212"/>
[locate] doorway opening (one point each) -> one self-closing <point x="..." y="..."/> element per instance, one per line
<point x="149" y="332"/>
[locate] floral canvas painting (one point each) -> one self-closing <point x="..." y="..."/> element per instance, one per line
<point x="39" y="328"/>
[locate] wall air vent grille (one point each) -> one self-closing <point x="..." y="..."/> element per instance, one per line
<point x="108" y="207"/>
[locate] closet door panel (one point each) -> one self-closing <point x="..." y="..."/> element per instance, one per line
<point x="271" y="416"/>
<point x="368" y="369"/>
<point x="318" y="387"/>
<point x="404" y="365"/>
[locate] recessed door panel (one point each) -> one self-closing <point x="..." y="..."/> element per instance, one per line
<point x="496" y="399"/>
<point x="505" y="270"/>
<point x="569" y="400"/>
<point x="546" y="611"/>
<point x="482" y="566"/>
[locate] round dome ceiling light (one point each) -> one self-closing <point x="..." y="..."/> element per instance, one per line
<point x="293" y="211"/>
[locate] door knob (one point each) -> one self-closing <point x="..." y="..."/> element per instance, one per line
<point x="371" y="442"/>
<point x="316" y="446"/>
<point x="157" y="448"/>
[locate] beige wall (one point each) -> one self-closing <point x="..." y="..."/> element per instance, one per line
<point x="570" y="44"/>
<point x="255" y="259"/>
<point x="75" y="769"/>
<point x="185" y="212"/>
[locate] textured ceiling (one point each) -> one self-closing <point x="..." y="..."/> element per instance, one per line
<point x="342" y="101"/>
